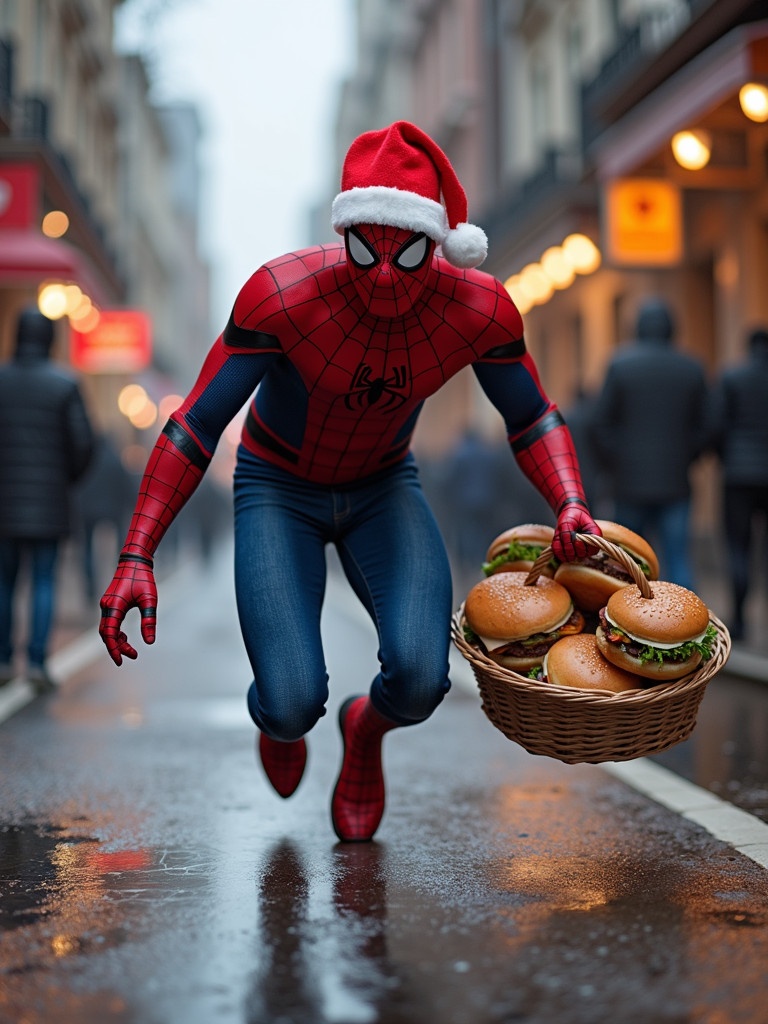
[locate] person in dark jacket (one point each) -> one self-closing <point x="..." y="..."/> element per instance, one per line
<point x="740" y="402"/>
<point x="650" y="424"/>
<point x="46" y="441"/>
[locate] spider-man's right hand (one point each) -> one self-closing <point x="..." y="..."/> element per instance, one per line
<point x="132" y="586"/>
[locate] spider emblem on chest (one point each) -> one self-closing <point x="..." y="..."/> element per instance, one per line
<point x="368" y="390"/>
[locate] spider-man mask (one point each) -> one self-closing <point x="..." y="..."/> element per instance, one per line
<point x="389" y="266"/>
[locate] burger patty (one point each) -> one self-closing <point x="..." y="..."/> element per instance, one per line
<point x="616" y="636"/>
<point x="539" y="643"/>
<point x="603" y="563"/>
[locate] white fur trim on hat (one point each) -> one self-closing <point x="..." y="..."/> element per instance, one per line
<point x="465" y="246"/>
<point x="393" y="207"/>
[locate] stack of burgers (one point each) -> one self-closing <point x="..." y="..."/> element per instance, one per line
<point x="585" y="624"/>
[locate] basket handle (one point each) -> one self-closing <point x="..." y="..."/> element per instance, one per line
<point x="611" y="549"/>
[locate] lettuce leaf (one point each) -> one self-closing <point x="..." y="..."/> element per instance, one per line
<point x="645" y="652"/>
<point x="517" y="553"/>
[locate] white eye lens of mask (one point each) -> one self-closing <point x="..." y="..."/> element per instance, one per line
<point x="413" y="254"/>
<point x="359" y="251"/>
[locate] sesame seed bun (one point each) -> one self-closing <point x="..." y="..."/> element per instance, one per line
<point x="591" y="581"/>
<point x="576" y="661"/>
<point x="502" y="611"/>
<point x="673" y="616"/>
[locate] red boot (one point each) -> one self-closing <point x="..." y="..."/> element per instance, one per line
<point x="357" y="805"/>
<point x="283" y="762"/>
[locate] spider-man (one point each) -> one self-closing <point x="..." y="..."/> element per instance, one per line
<point x="337" y="347"/>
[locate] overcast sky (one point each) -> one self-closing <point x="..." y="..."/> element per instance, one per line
<point x="264" y="75"/>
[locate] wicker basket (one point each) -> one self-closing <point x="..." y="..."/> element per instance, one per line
<point x="590" y="726"/>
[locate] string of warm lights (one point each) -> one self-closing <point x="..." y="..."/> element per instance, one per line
<point x="56" y="299"/>
<point x="142" y="412"/>
<point x="556" y="270"/>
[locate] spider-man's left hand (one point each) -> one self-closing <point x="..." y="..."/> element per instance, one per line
<point x="133" y="586"/>
<point x="574" y="518"/>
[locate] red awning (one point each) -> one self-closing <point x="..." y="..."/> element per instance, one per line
<point x="28" y="257"/>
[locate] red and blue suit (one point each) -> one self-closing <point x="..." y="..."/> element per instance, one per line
<point x="335" y="349"/>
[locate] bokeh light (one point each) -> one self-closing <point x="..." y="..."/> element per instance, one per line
<point x="169" y="404"/>
<point x="582" y="253"/>
<point x="132" y="399"/>
<point x="535" y="283"/>
<point x="55" y="224"/>
<point x="753" y="99"/>
<point x="52" y="300"/>
<point x="692" y="149"/>
<point x="557" y="268"/>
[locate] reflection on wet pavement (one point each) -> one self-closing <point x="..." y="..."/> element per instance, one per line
<point x="314" y="965"/>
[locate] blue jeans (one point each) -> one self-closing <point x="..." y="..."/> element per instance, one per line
<point x="665" y="525"/>
<point x="42" y="556"/>
<point x="393" y="555"/>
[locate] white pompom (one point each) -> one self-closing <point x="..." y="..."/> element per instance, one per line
<point x="465" y="246"/>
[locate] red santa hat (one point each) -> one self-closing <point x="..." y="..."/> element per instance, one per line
<point x="396" y="177"/>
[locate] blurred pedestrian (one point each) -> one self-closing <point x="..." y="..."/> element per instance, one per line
<point x="650" y="425"/>
<point x="579" y="416"/>
<point x="103" y="497"/>
<point x="210" y="517"/>
<point x="45" y="445"/>
<point x="740" y="419"/>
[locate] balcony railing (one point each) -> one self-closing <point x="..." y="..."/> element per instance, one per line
<point x="635" y="47"/>
<point x="559" y="170"/>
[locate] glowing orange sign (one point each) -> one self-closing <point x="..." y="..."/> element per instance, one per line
<point x="121" y="342"/>
<point x="643" y="222"/>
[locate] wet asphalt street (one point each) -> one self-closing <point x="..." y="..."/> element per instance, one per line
<point x="148" y="875"/>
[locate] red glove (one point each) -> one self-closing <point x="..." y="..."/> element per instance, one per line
<point x="132" y="586"/>
<point x="573" y="518"/>
<point x="545" y="453"/>
<point x="175" y="468"/>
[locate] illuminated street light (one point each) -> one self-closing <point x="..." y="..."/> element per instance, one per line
<point x="557" y="268"/>
<point x="74" y="296"/>
<point x="753" y="98"/>
<point x="692" y="149"/>
<point x="132" y="399"/>
<point x="52" y="300"/>
<point x="55" y="224"/>
<point x="169" y="404"/>
<point x="145" y="417"/>
<point x="517" y="294"/>
<point x="535" y="283"/>
<point x="582" y="253"/>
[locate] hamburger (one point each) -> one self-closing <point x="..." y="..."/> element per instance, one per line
<point x="592" y="580"/>
<point x="516" y="549"/>
<point x="659" y="638"/>
<point x="515" y="623"/>
<point x="576" y="661"/>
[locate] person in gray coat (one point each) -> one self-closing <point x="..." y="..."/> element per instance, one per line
<point x="46" y="441"/>
<point x="740" y="405"/>
<point x="650" y="424"/>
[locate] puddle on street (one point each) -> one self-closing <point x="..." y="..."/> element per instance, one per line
<point x="68" y="892"/>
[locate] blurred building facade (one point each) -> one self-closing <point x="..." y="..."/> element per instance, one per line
<point x="98" y="193"/>
<point x="559" y="117"/>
